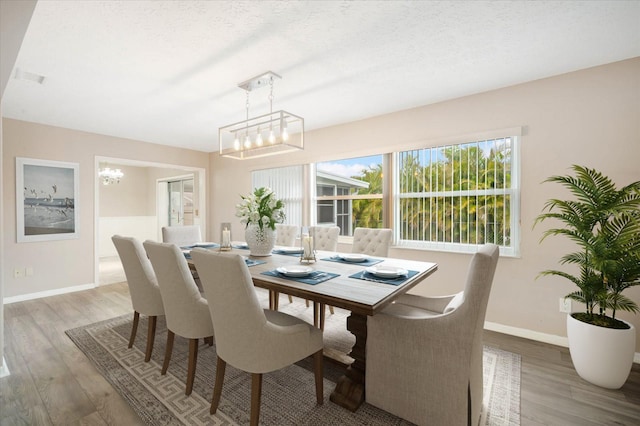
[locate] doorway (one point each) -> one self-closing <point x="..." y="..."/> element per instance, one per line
<point x="180" y="208"/>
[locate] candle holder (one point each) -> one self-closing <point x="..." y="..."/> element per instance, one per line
<point x="308" y="247"/>
<point x="225" y="236"/>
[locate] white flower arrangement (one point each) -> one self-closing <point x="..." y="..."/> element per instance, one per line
<point x="261" y="208"/>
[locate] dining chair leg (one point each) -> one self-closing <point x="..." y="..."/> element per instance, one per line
<point x="134" y="328"/>
<point x="306" y="302"/>
<point x="167" y="352"/>
<point x="151" y="337"/>
<point x="209" y="340"/>
<point x="217" y="387"/>
<point x="191" y="369"/>
<point x="256" y="391"/>
<point x="331" y="310"/>
<point x="290" y="298"/>
<point x="318" y="373"/>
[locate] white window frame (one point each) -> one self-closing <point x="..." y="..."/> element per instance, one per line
<point x="513" y="192"/>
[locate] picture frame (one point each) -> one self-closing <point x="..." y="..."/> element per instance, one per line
<point x="47" y="195"/>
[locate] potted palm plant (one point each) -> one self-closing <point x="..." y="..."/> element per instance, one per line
<point x="604" y="222"/>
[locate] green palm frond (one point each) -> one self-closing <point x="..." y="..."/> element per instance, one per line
<point x="604" y="222"/>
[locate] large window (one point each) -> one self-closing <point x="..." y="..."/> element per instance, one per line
<point x="458" y="196"/>
<point x="349" y="193"/>
<point x="452" y="197"/>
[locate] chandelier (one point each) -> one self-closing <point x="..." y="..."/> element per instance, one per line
<point x="110" y="176"/>
<point x="269" y="134"/>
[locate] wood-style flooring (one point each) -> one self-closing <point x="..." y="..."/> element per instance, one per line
<point x="52" y="382"/>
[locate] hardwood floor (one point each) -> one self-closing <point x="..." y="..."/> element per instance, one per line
<point x="52" y="382"/>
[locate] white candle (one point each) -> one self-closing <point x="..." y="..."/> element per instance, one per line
<point x="226" y="237"/>
<point x="307" y="244"/>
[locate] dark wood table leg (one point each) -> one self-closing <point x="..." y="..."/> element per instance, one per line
<point x="349" y="391"/>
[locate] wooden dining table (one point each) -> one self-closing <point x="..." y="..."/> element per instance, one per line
<point x="361" y="297"/>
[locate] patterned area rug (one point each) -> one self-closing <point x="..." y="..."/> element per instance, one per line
<point x="288" y="395"/>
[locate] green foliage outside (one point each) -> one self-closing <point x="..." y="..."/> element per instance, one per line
<point x="479" y="215"/>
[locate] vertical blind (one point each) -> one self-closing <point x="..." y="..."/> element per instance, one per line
<point x="288" y="185"/>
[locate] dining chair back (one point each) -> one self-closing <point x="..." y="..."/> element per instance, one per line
<point x="181" y="235"/>
<point x="186" y="311"/>
<point x="286" y="234"/>
<point x="143" y="287"/>
<point x="424" y="354"/>
<point x="325" y="237"/>
<point x="372" y="241"/>
<point x="248" y="337"/>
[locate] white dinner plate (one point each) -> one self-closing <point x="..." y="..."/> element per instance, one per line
<point x="289" y="249"/>
<point x="387" y="271"/>
<point x="295" y="271"/>
<point x="353" y="257"/>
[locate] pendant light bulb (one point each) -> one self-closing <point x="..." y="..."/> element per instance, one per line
<point x="285" y="132"/>
<point x="272" y="136"/>
<point x="259" y="138"/>
<point x="247" y="141"/>
<point x="236" y="143"/>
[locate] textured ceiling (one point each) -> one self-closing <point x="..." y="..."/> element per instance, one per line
<point x="167" y="71"/>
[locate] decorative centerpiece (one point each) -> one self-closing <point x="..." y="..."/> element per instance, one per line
<point x="260" y="212"/>
<point x="308" y="254"/>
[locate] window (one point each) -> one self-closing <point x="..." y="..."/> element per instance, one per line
<point x="349" y="193"/>
<point x="452" y="197"/>
<point x="458" y="196"/>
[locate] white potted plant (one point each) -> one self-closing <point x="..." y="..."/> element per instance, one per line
<point x="259" y="212"/>
<point x="604" y="222"/>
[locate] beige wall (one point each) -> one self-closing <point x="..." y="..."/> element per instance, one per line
<point x="590" y="117"/>
<point x="66" y="263"/>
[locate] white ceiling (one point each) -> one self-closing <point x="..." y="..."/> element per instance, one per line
<point x="167" y="71"/>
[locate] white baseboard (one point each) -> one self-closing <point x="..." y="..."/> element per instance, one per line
<point x="47" y="293"/>
<point x="552" y="339"/>
<point x="4" y="369"/>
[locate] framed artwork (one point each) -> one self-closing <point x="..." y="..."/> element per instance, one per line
<point x="46" y="200"/>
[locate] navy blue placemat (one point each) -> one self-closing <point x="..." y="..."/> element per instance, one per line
<point x="286" y="253"/>
<point x="240" y="246"/>
<point x="206" y="246"/>
<point x="316" y="277"/>
<point x="253" y="262"/>
<point x="364" y="275"/>
<point x="368" y="262"/>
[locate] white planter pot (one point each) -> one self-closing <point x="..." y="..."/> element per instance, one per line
<point x="260" y="241"/>
<point x="602" y="356"/>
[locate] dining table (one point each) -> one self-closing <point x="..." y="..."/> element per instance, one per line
<point x="363" y="285"/>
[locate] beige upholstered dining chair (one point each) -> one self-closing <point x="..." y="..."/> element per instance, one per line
<point x="143" y="287"/>
<point x="181" y="235"/>
<point x="372" y="241"/>
<point x="186" y="311"/>
<point x="247" y="337"/>
<point x="424" y="354"/>
<point x="325" y="237"/>
<point x="286" y="234"/>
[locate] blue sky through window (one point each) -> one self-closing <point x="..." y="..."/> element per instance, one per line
<point x="351" y="167"/>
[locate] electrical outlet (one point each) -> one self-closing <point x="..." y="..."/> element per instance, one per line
<point x="18" y="273"/>
<point x="565" y="305"/>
